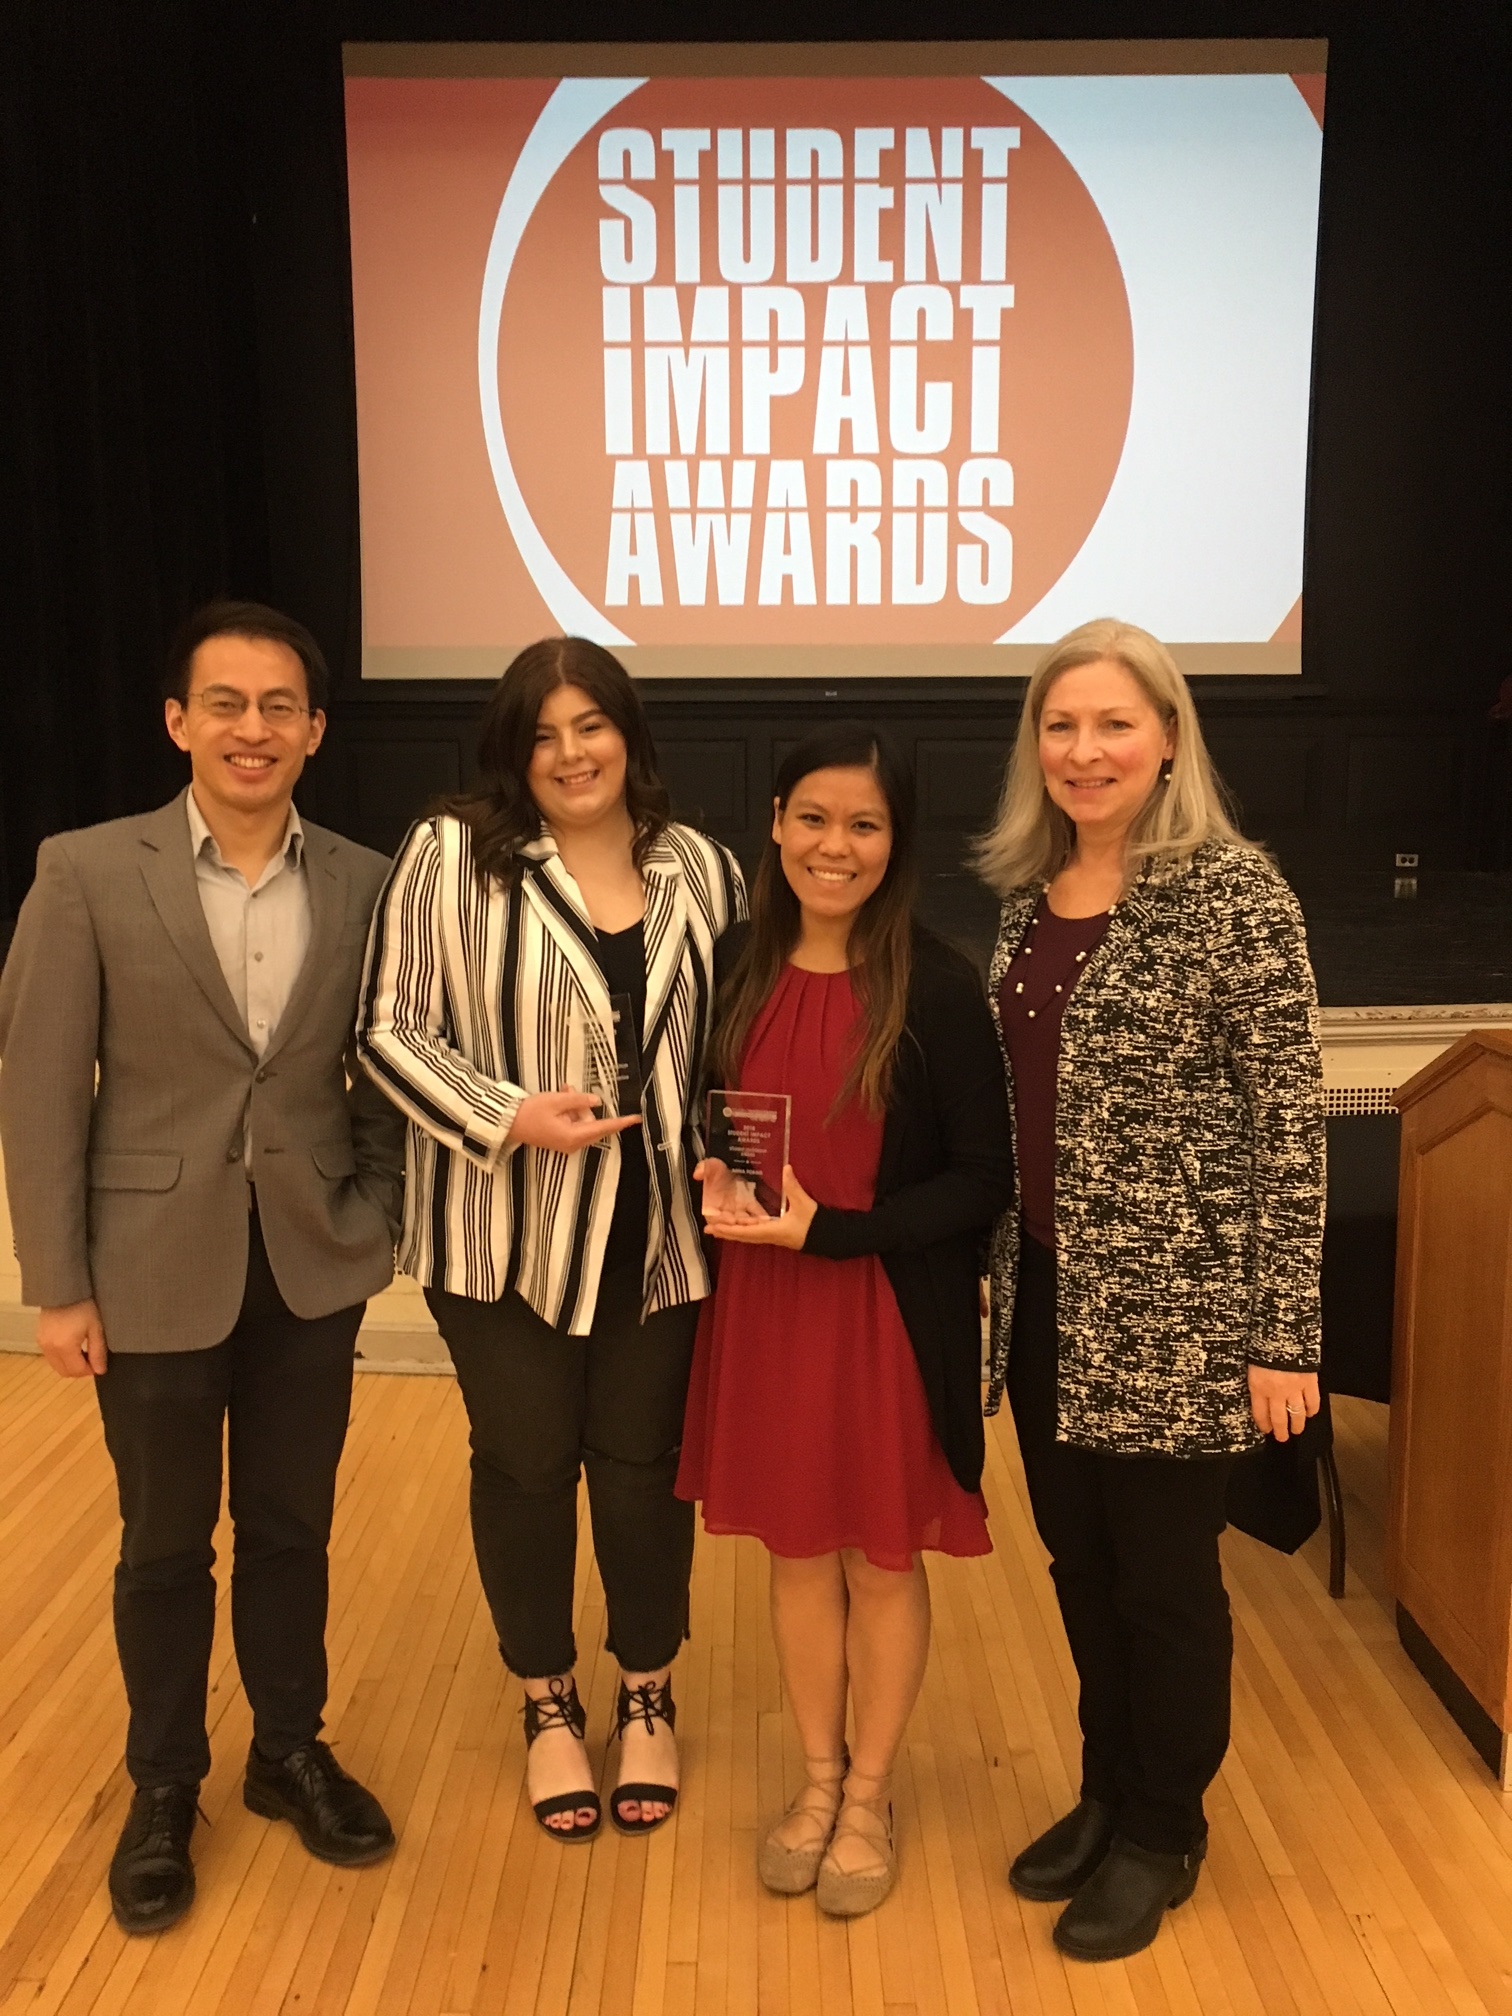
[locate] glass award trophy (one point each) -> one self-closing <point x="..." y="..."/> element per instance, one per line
<point x="607" y="1059"/>
<point x="747" y="1137"/>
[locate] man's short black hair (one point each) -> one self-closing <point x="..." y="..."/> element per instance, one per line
<point x="244" y="619"/>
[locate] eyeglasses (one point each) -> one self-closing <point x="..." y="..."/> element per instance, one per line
<point x="221" y="704"/>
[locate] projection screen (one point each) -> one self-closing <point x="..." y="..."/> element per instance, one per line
<point x="832" y="360"/>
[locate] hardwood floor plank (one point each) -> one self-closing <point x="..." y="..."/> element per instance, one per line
<point x="1360" y="1860"/>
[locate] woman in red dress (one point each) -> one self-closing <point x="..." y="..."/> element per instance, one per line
<point x="835" y="1405"/>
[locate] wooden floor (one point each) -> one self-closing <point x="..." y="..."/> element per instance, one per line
<point x="1361" y="1859"/>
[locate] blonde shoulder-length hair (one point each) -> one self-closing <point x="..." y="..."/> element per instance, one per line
<point x="1032" y="839"/>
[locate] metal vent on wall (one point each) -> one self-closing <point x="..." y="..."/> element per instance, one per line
<point x="1341" y="1100"/>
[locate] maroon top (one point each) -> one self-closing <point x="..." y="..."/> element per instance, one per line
<point x="1031" y="1001"/>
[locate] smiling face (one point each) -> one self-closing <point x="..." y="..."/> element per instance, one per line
<point x="242" y="761"/>
<point x="577" y="768"/>
<point x="835" y="835"/>
<point x="1101" y="746"/>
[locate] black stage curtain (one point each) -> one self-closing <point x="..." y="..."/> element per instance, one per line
<point x="176" y="408"/>
<point x="130" y="460"/>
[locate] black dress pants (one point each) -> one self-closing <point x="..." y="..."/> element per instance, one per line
<point x="544" y="1406"/>
<point x="279" y="1390"/>
<point x="1133" y="1542"/>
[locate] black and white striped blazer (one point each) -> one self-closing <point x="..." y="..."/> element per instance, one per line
<point x="467" y="1005"/>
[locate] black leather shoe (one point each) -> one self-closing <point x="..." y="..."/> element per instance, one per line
<point x="337" y="1819"/>
<point x="1118" y="1910"/>
<point x="151" y="1875"/>
<point x="1055" y="1866"/>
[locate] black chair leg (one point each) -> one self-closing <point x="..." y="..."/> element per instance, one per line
<point x="1333" y="1499"/>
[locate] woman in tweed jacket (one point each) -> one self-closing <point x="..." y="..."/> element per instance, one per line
<point x="1155" y="1295"/>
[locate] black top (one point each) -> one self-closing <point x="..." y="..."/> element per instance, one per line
<point x="945" y="1174"/>
<point x="622" y="961"/>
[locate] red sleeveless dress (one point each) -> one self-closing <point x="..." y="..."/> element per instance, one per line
<point x="807" y="1424"/>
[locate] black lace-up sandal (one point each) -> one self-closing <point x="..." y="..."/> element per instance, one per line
<point x="648" y="1703"/>
<point x="561" y="1709"/>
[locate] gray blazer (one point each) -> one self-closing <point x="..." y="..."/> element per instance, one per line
<point x="128" y="1079"/>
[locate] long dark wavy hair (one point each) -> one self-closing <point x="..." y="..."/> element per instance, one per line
<point x="881" y="940"/>
<point x="499" y="808"/>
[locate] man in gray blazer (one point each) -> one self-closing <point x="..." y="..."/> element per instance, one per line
<point x="202" y="1204"/>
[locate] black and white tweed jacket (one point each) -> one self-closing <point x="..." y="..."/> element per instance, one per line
<point x="1189" y="1161"/>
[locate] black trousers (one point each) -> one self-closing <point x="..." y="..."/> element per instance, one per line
<point x="1133" y="1542"/>
<point x="544" y="1406"/>
<point x="279" y="1390"/>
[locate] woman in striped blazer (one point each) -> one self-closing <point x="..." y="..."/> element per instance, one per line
<point x="558" y="1243"/>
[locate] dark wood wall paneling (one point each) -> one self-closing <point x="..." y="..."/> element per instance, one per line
<point x="1328" y="789"/>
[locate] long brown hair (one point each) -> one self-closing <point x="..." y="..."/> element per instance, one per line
<point x="500" y="809"/>
<point x="881" y="940"/>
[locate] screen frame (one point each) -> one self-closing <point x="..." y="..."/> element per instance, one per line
<point x="861" y="672"/>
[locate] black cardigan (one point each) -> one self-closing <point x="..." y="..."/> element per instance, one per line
<point x="946" y="1172"/>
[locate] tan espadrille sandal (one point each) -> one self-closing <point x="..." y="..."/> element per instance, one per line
<point x="789" y="1858"/>
<point x="851" y="1884"/>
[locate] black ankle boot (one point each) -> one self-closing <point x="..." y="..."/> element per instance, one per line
<point x="1118" y="1910"/>
<point x="1055" y="1866"/>
<point x="151" y="1875"/>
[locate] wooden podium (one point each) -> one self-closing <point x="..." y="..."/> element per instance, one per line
<point x="1450" y="1552"/>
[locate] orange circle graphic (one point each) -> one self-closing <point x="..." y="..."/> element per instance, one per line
<point x="1059" y="372"/>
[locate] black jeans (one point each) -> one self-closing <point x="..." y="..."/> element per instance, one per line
<point x="280" y="1388"/>
<point x="1133" y="1542"/>
<point x="543" y="1405"/>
